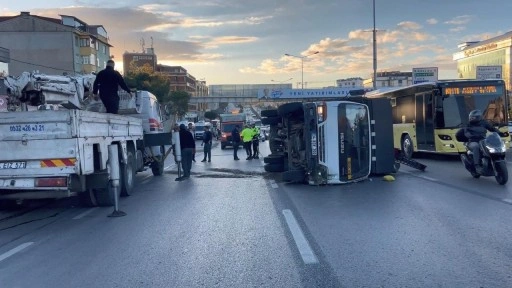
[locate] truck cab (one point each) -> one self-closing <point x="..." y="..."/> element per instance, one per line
<point x="330" y="142"/>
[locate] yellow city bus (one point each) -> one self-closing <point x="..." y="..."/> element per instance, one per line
<point x="427" y="115"/>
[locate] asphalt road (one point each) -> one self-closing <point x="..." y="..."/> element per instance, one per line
<point x="233" y="225"/>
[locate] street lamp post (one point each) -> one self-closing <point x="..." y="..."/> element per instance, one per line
<point x="374" y="50"/>
<point x="302" y="63"/>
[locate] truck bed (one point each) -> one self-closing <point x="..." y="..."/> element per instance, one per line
<point x="51" y="143"/>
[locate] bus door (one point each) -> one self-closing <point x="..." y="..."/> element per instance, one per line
<point x="353" y="141"/>
<point x="425" y="121"/>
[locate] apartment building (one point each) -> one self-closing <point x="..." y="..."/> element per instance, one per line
<point x="65" y="45"/>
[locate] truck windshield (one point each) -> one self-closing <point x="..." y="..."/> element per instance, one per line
<point x="228" y="127"/>
<point x="457" y="108"/>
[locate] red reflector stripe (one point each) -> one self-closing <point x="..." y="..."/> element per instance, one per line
<point x="58" y="162"/>
<point x="51" y="182"/>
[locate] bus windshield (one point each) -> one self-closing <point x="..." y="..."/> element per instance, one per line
<point x="460" y="101"/>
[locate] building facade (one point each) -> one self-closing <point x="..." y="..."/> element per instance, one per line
<point x="491" y="52"/>
<point x="53" y="46"/>
<point x="181" y="80"/>
<point x="4" y="61"/>
<point x="140" y="62"/>
<point x="390" y="79"/>
<point x="356" y="82"/>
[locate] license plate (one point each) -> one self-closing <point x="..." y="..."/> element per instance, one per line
<point x="13" y="165"/>
<point x="314" y="149"/>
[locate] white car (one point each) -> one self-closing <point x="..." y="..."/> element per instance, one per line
<point x="510" y="127"/>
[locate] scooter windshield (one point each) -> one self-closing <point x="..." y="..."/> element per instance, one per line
<point x="493" y="140"/>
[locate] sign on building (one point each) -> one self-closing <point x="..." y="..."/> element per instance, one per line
<point x="427" y="74"/>
<point x="488" y="72"/>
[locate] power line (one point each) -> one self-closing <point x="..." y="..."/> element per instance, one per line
<point x="39" y="65"/>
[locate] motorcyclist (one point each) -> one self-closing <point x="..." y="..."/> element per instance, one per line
<point x="475" y="132"/>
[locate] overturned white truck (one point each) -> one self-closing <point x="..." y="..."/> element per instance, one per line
<point x="54" y="140"/>
<point x="328" y="136"/>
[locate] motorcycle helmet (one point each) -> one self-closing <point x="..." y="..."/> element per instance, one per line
<point x="475" y="116"/>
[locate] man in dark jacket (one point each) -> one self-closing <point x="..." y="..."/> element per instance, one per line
<point x="207" y="142"/>
<point x="475" y="132"/>
<point x="188" y="148"/>
<point x="235" y="138"/>
<point x="107" y="82"/>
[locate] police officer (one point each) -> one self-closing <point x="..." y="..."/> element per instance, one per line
<point x="247" y="135"/>
<point x="255" y="141"/>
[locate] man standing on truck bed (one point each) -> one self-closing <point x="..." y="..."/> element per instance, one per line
<point x="107" y="82"/>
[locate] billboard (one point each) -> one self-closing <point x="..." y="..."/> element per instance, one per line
<point x="135" y="62"/>
<point x="427" y="74"/>
<point x="488" y="72"/>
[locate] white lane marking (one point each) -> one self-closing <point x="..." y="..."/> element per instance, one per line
<point x="509" y="201"/>
<point x="14" y="251"/>
<point x="420" y="176"/>
<point x="307" y="254"/>
<point x="80" y="216"/>
<point x="273" y="184"/>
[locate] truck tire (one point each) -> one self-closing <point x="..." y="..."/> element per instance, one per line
<point x="294" y="176"/>
<point x="127" y="174"/>
<point x="274" y="167"/>
<point x="105" y="196"/>
<point x="269" y="113"/>
<point x="407" y="146"/>
<point x="87" y="198"/>
<point x="272" y="121"/>
<point x="289" y="108"/>
<point x="274" y="159"/>
<point x="157" y="167"/>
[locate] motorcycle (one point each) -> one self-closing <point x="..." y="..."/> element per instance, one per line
<point x="492" y="154"/>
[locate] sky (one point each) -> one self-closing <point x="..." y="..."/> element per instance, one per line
<point x="245" y="41"/>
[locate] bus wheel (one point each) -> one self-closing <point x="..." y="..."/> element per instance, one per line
<point x="407" y="146"/>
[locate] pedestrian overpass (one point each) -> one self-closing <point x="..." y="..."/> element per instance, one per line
<point x="224" y="99"/>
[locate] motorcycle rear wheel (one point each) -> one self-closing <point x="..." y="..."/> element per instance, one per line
<point x="501" y="172"/>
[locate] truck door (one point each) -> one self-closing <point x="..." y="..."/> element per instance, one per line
<point x="353" y="141"/>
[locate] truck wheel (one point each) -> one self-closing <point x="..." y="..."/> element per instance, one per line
<point x="87" y="198"/>
<point x="407" y="146"/>
<point x="269" y="113"/>
<point x="274" y="159"/>
<point x="294" y="176"/>
<point x="271" y="120"/>
<point x="274" y="167"/>
<point x="105" y="196"/>
<point x="289" y="108"/>
<point x="127" y="174"/>
<point x="157" y="167"/>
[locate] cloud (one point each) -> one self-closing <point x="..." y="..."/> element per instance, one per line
<point x="457" y="29"/>
<point x="409" y="25"/>
<point x="226" y="40"/>
<point x="432" y="21"/>
<point x="459" y="20"/>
